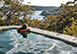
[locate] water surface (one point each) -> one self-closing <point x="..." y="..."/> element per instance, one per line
<point x="14" y="43"/>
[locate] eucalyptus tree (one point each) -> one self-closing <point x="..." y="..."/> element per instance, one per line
<point x="72" y="21"/>
<point x="66" y="21"/>
<point x="14" y="9"/>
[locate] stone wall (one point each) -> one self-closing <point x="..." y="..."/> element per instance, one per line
<point x="55" y="35"/>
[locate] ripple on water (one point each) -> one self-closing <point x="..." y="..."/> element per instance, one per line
<point x="37" y="44"/>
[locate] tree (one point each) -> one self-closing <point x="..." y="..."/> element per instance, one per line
<point x="64" y="21"/>
<point x="1" y="20"/>
<point x="15" y="9"/>
<point x="72" y="30"/>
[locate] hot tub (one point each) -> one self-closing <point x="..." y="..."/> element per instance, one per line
<point x="12" y="42"/>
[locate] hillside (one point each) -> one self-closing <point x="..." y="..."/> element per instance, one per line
<point x="54" y="11"/>
<point x="43" y="7"/>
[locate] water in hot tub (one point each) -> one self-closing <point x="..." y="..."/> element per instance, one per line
<point x="12" y="42"/>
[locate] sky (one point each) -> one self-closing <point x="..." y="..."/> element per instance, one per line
<point x="46" y="2"/>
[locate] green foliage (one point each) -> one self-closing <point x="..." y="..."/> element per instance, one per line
<point x="69" y="2"/>
<point x="72" y="30"/>
<point x="1" y="20"/>
<point x="13" y="9"/>
<point x="65" y="22"/>
<point x="6" y="2"/>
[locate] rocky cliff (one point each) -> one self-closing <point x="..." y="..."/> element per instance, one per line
<point x="54" y="11"/>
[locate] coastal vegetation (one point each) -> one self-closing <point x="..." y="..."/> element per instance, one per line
<point x="13" y="10"/>
<point x="64" y="22"/>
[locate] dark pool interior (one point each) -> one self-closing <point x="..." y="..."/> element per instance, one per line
<point x="12" y="42"/>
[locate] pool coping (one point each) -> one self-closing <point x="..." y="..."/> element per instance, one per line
<point x="63" y="37"/>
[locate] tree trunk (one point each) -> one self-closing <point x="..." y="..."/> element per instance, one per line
<point x="7" y="20"/>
